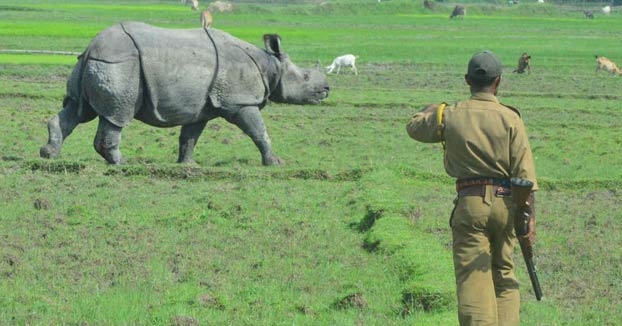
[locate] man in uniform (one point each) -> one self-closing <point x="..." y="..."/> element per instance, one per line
<point x="485" y="145"/>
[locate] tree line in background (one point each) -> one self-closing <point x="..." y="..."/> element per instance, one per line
<point x="500" y="2"/>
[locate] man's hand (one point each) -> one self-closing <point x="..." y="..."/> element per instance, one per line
<point x="530" y="237"/>
<point x="529" y="210"/>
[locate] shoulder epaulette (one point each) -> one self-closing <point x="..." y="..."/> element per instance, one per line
<point x="511" y="108"/>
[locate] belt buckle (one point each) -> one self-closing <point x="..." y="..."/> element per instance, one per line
<point x="501" y="191"/>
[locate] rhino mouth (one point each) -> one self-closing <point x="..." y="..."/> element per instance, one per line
<point x="320" y="95"/>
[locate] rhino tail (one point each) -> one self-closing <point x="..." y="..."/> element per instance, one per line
<point x="75" y="90"/>
<point x="80" y="89"/>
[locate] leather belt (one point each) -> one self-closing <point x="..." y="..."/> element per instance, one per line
<point x="472" y="191"/>
<point x="484" y="181"/>
<point x="480" y="191"/>
<point x="477" y="187"/>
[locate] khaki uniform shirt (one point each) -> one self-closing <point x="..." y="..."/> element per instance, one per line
<point x="483" y="138"/>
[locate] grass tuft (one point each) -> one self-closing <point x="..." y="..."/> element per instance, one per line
<point x="354" y="300"/>
<point x="423" y="298"/>
<point x="55" y="166"/>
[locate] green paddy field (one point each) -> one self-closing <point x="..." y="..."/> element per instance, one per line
<point x="353" y="230"/>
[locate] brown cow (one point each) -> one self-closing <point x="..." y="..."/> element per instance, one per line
<point x="459" y="11"/>
<point x="523" y="64"/>
<point x="605" y="64"/>
<point x="206" y="18"/>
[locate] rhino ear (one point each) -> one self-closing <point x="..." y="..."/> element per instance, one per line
<point x="273" y="43"/>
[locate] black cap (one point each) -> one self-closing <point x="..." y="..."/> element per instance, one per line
<point x="484" y="66"/>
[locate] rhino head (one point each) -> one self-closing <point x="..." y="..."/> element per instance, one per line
<point x="296" y="85"/>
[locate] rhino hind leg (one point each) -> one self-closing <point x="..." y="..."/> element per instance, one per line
<point x="249" y="120"/>
<point x="188" y="139"/>
<point x="61" y="125"/>
<point x="107" y="141"/>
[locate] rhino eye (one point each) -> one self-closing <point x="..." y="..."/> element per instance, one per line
<point x="306" y="76"/>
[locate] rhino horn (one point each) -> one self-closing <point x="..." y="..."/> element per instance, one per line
<point x="273" y="43"/>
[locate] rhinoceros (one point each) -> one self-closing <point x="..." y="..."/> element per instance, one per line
<point x="178" y="77"/>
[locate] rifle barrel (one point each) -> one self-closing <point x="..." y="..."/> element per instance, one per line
<point x="531" y="269"/>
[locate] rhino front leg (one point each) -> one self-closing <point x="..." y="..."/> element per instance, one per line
<point x="188" y="139"/>
<point x="249" y="120"/>
<point x="59" y="127"/>
<point x="107" y="141"/>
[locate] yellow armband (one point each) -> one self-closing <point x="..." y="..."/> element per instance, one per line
<point x="439" y="119"/>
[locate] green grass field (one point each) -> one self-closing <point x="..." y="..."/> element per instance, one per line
<point x="353" y="230"/>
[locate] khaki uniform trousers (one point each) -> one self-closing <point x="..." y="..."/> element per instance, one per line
<point x="483" y="242"/>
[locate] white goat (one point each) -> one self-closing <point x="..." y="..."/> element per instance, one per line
<point x="343" y="61"/>
<point x="606" y="10"/>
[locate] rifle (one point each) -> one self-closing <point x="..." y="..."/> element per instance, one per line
<point x="521" y="189"/>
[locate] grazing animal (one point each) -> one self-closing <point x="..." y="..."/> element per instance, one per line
<point x="194" y="3"/>
<point x="523" y="64"/>
<point x="605" y="64"/>
<point x="220" y="6"/>
<point x="179" y="77"/>
<point x="343" y="61"/>
<point x="588" y="14"/>
<point x="606" y="10"/>
<point x="206" y="19"/>
<point x="540" y="1"/>
<point x="459" y="11"/>
<point x="428" y="4"/>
